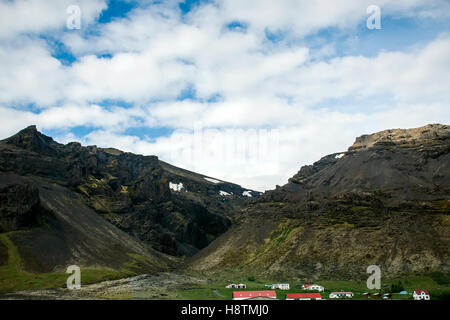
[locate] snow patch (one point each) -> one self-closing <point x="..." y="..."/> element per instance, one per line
<point x="175" y="186"/>
<point x="247" y="193"/>
<point x="338" y="156"/>
<point x="211" y="180"/>
<point x="224" y="193"/>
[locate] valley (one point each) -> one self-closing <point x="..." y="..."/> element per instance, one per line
<point x="140" y="228"/>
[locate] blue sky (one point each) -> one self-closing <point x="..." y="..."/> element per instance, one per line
<point x="171" y="78"/>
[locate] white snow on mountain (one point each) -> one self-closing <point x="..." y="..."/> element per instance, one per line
<point x="247" y="193"/>
<point x="211" y="180"/>
<point x="175" y="186"/>
<point x="224" y="193"/>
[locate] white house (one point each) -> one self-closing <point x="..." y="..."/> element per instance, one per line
<point x="421" y="295"/>
<point x="281" y="286"/>
<point x="335" y="295"/>
<point x="236" y="286"/>
<point x="304" y="296"/>
<point x="313" y="287"/>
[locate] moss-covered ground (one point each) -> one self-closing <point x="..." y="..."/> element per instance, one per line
<point x="13" y="276"/>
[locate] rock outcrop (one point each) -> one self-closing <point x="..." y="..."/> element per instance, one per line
<point x="130" y="191"/>
<point x="384" y="201"/>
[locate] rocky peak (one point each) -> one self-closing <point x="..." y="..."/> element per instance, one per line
<point x="31" y="139"/>
<point x="402" y="137"/>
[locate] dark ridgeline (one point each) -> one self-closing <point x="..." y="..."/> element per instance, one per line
<point x="385" y="201"/>
<point x="94" y="207"/>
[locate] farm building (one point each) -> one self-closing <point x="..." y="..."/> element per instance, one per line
<point x="236" y="286"/>
<point x="335" y="295"/>
<point x="421" y="295"/>
<point x="281" y="286"/>
<point x="313" y="287"/>
<point x="304" y="296"/>
<point x="255" y="295"/>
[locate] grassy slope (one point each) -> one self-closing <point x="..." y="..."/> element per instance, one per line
<point x="13" y="277"/>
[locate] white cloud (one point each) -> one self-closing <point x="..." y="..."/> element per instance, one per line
<point x="30" y="74"/>
<point x="39" y="16"/>
<point x="317" y="105"/>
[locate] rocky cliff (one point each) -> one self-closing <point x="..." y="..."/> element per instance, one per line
<point x="384" y="201"/>
<point x="45" y="187"/>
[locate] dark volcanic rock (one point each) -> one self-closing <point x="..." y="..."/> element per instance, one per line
<point x="385" y="201"/>
<point x="68" y="232"/>
<point x="130" y="191"/>
<point x="19" y="207"/>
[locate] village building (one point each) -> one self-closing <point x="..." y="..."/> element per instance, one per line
<point x="304" y="296"/>
<point x="255" y="295"/>
<point x="366" y="294"/>
<point x="421" y="295"/>
<point x="335" y="295"/>
<point x="387" y="296"/>
<point x="313" y="287"/>
<point x="281" y="286"/>
<point x="236" y="286"/>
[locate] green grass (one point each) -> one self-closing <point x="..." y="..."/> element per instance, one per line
<point x="14" y="278"/>
<point x="206" y="291"/>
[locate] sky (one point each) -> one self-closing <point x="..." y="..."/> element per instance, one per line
<point x="242" y="91"/>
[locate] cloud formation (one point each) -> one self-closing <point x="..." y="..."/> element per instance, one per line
<point x="238" y="69"/>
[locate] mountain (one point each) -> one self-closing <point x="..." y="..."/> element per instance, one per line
<point x="385" y="201"/>
<point x="51" y="228"/>
<point x="101" y="207"/>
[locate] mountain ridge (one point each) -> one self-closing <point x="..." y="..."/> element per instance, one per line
<point x="130" y="193"/>
<point x="384" y="201"/>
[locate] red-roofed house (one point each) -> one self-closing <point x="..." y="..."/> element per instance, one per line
<point x="312" y="287"/>
<point x="304" y="296"/>
<point x="254" y="295"/>
<point x="421" y="295"/>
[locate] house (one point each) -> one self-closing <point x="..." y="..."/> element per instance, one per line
<point x="377" y="295"/>
<point x="366" y="294"/>
<point x="236" y="286"/>
<point x="304" y="296"/>
<point x="281" y="286"/>
<point x="335" y="295"/>
<point x="313" y="287"/>
<point x="421" y="295"/>
<point x="387" y="296"/>
<point x="255" y="295"/>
